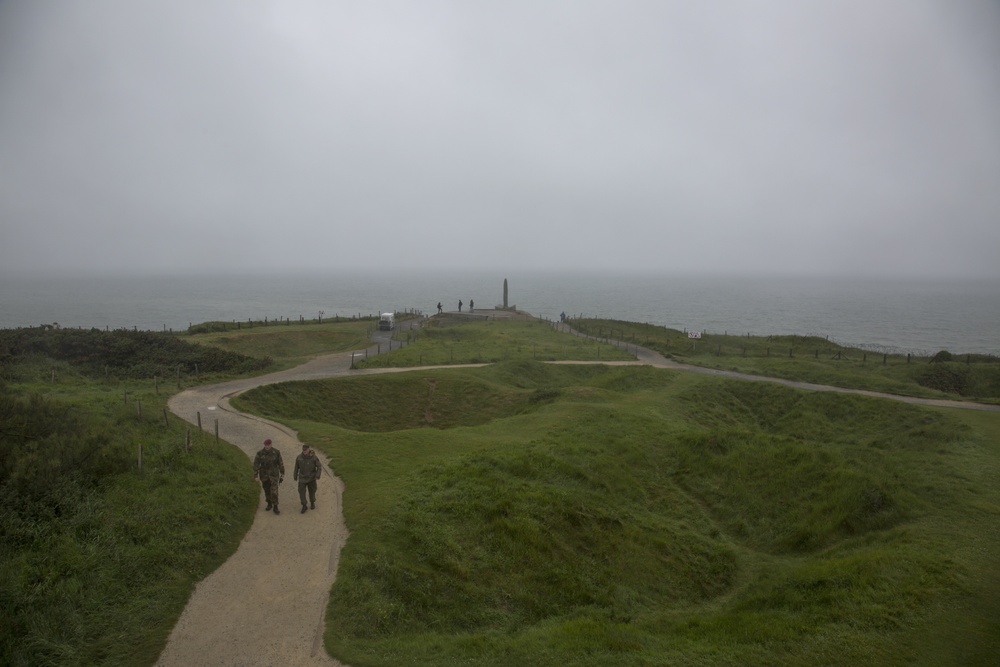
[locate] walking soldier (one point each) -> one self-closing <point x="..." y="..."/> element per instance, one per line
<point x="307" y="471"/>
<point x="270" y="469"/>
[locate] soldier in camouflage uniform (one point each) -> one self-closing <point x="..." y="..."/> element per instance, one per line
<point x="307" y="471"/>
<point x="270" y="469"/>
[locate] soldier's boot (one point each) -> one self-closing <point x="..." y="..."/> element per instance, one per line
<point x="268" y="508"/>
<point x="304" y="508"/>
<point x="276" y="510"/>
<point x="314" y="504"/>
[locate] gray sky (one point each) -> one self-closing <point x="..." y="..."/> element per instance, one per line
<point x="855" y="136"/>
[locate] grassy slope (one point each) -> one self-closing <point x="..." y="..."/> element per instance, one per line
<point x="97" y="570"/>
<point x="446" y="340"/>
<point x="817" y="360"/>
<point x="586" y="515"/>
<point x="289" y="344"/>
<point x="100" y="559"/>
<point x="96" y="578"/>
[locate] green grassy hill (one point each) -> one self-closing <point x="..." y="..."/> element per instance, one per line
<point x="522" y="513"/>
<point x="99" y="555"/>
<point x="548" y="515"/>
<point x="815" y="359"/>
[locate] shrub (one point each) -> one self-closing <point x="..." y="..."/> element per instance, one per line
<point x="134" y="354"/>
<point x="951" y="378"/>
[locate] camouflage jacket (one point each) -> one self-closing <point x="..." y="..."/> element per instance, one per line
<point x="268" y="463"/>
<point x="307" y="468"/>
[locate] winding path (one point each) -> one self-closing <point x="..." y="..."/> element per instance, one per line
<point x="265" y="606"/>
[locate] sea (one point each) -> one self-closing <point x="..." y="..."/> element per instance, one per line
<point x="919" y="316"/>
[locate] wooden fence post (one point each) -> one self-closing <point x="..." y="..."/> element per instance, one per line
<point x="138" y="410"/>
<point x="199" y="421"/>
<point x="140" y="456"/>
<point x="166" y="422"/>
<point x="216" y="431"/>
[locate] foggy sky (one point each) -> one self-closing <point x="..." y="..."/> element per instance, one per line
<point x="858" y="136"/>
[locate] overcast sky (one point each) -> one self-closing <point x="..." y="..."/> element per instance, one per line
<point x="849" y="136"/>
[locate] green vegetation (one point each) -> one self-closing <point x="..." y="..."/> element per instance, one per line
<point x="120" y="354"/>
<point x="526" y="513"/>
<point x="447" y="340"/>
<point x="99" y="557"/>
<point x="286" y="344"/>
<point x="817" y="360"/>
<point x="520" y="513"/>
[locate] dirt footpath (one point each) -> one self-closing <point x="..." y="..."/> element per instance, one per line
<point x="265" y="606"/>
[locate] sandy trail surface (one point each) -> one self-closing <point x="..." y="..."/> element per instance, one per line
<point x="266" y="605"/>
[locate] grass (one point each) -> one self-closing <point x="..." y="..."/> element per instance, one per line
<point x="590" y="515"/>
<point x="100" y="557"/>
<point x="521" y="513"/>
<point x="288" y="344"/>
<point x="816" y="360"/>
<point x="446" y="341"/>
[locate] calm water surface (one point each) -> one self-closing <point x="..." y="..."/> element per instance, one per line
<point x="896" y="315"/>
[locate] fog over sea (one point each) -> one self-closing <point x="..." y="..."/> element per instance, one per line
<point x="920" y="316"/>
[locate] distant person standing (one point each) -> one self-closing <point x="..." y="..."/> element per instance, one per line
<point x="307" y="471"/>
<point x="459" y="305"/>
<point x="439" y="307"/>
<point x="472" y="306"/>
<point x="270" y="469"/>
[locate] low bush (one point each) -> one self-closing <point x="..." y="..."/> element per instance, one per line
<point x="128" y="354"/>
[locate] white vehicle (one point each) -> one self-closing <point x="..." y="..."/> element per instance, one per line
<point x="387" y="322"/>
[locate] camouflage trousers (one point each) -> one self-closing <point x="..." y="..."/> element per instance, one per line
<point x="270" y="486"/>
<point x="311" y="486"/>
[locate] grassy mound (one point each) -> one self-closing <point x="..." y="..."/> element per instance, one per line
<point x="445" y="341"/>
<point x="100" y="556"/>
<point x="640" y="516"/>
<point x="285" y="343"/>
<point x="120" y="353"/>
<point x="815" y="359"/>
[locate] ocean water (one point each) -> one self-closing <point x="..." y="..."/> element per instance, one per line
<point x="919" y="316"/>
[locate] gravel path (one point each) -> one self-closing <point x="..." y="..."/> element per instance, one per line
<point x="266" y="605"/>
